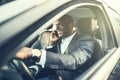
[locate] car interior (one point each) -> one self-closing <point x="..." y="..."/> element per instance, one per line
<point x="85" y="22"/>
<point x="30" y="25"/>
<point x="89" y="26"/>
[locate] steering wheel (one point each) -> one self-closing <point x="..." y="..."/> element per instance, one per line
<point x="21" y="68"/>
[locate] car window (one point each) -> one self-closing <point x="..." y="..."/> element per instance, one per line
<point x="115" y="21"/>
<point x="115" y="16"/>
<point x="88" y="17"/>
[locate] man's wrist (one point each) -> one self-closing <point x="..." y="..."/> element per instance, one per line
<point x="36" y="54"/>
<point x="42" y="60"/>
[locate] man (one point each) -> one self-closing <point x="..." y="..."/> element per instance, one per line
<point x="69" y="50"/>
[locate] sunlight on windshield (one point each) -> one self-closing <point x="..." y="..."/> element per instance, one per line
<point x="41" y="1"/>
<point x="114" y="4"/>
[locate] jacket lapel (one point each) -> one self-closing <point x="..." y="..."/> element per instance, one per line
<point x="58" y="46"/>
<point x="72" y="43"/>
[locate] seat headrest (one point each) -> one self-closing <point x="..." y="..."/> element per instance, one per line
<point x="86" y="25"/>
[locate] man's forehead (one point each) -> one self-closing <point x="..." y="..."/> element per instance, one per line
<point x="57" y="22"/>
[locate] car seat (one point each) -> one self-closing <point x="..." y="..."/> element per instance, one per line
<point x="88" y="26"/>
<point x="42" y="41"/>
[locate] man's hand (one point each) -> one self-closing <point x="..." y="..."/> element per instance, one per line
<point x="24" y="53"/>
<point x="54" y="36"/>
<point x="28" y="52"/>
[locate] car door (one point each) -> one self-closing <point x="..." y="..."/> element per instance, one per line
<point x="115" y="19"/>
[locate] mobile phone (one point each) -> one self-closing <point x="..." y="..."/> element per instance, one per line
<point x="56" y="33"/>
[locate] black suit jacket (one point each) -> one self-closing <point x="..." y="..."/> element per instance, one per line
<point x="79" y="51"/>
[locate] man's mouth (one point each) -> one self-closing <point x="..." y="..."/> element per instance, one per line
<point x="60" y="32"/>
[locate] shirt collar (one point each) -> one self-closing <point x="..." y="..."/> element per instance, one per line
<point x="69" y="37"/>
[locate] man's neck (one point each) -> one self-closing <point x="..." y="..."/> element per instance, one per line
<point x="69" y="34"/>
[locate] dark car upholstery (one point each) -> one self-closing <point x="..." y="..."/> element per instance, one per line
<point x="88" y="26"/>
